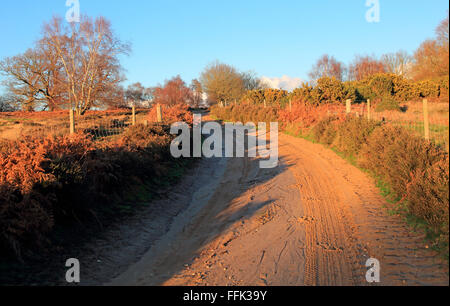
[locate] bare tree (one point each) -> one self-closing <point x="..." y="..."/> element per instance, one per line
<point x="327" y="66"/>
<point x="442" y="32"/>
<point x="222" y="83"/>
<point x="365" y="66"/>
<point x="398" y="63"/>
<point x="138" y="94"/>
<point x="89" y="53"/>
<point x="252" y="82"/>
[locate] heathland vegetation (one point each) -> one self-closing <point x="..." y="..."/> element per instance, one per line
<point x="412" y="172"/>
<point x="61" y="180"/>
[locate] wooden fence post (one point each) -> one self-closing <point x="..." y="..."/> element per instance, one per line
<point x="368" y="109"/>
<point x="265" y="103"/>
<point x="72" y="121"/>
<point x="426" y="119"/>
<point x="133" y="115"/>
<point x="290" y="105"/>
<point x="348" y="106"/>
<point x="159" y="113"/>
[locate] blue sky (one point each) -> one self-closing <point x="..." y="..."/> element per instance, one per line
<point x="272" y="38"/>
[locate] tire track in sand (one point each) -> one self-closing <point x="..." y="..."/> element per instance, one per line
<point x="351" y="224"/>
<point x="314" y="220"/>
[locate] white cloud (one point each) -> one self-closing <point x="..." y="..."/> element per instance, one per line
<point x="285" y="82"/>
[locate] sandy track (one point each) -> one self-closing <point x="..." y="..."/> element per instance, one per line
<point x="314" y="220"/>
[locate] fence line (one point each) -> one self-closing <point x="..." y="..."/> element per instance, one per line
<point x="430" y="121"/>
<point x="99" y="124"/>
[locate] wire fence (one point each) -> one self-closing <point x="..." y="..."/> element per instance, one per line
<point x="99" y="124"/>
<point x="429" y="120"/>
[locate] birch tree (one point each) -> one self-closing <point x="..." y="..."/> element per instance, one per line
<point x="88" y="52"/>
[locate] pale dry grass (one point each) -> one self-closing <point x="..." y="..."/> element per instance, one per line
<point x="412" y="118"/>
<point x="14" y="126"/>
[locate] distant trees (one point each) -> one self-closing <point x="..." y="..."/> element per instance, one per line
<point x="73" y="65"/>
<point x="139" y="95"/>
<point x="197" y="93"/>
<point x="327" y="66"/>
<point x="432" y="57"/>
<point x="399" y="63"/>
<point x="252" y="82"/>
<point x="222" y="83"/>
<point x="173" y="92"/>
<point x="364" y="66"/>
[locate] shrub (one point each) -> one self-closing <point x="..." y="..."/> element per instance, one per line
<point x="172" y="114"/>
<point x="393" y="154"/>
<point x="326" y="130"/>
<point x="351" y="91"/>
<point x="352" y="133"/>
<point x="304" y="93"/>
<point x="306" y="115"/>
<point x="60" y="180"/>
<point x="330" y="90"/>
<point x="24" y="220"/>
<point x="381" y="85"/>
<point x="428" y="195"/>
<point x="443" y="87"/>
<point x="245" y="113"/>
<point x="32" y="170"/>
<point x="427" y="89"/>
<point x="403" y="89"/>
<point x="272" y="97"/>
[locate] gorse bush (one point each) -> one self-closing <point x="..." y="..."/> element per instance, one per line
<point x="352" y="133"/>
<point x="245" y="113"/>
<point x="394" y="154"/>
<point x="427" y="89"/>
<point x="428" y="196"/>
<point x="269" y="96"/>
<point x="377" y="86"/>
<point x="325" y="131"/>
<point x="416" y="172"/>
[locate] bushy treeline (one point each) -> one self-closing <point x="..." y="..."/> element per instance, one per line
<point x="246" y="113"/>
<point x="59" y="181"/>
<point x="377" y="87"/>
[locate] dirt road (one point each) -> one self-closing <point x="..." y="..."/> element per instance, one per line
<point x="314" y="220"/>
